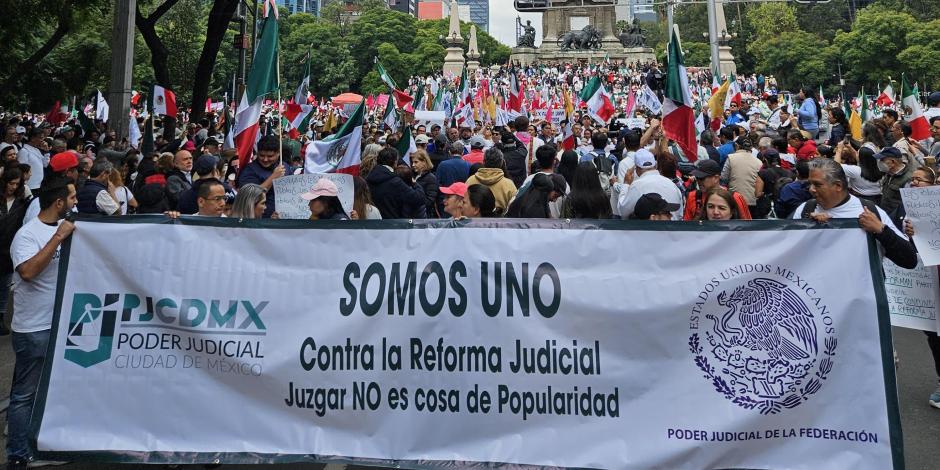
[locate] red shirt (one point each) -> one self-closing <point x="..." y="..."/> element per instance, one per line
<point x="475" y="156"/>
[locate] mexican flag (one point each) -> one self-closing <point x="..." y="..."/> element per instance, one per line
<point x="678" y="118"/>
<point x="164" y="101"/>
<point x="298" y="118"/>
<point x="401" y="98"/>
<point x="262" y="80"/>
<point x="598" y="101"/>
<point x="406" y="146"/>
<point x="886" y="98"/>
<point x="914" y="114"/>
<point x="464" y="87"/>
<point x="300" y="95"/>
<point x="391" y="116"/>
<point x="340" y="152"/>
<point x="101" y="108"/>
<point x="515" y="94"/>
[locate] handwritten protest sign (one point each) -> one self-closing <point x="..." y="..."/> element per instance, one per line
<point x="558" y="115"/>
<point x="287" y="191"/>
<point x="923" y="210"/>
<point x="913" y="295"/>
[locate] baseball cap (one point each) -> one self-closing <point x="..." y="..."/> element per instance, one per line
<point x="477" y="142"/>
<point x="644" y="159"/>
<point x="210" y="141"/>
<point x="651" y="204"/>
<point x="63" y="161"/>
<point x="323" y="187"/>
<point x="422" y="140"/>
<point x="933" y="99"/>
<point x="706" y="168"/>
<point x="888" y="152"/>
<point x="457" y="189"/>
<point x="205" y="164"/>
<point x="20" y="130"/>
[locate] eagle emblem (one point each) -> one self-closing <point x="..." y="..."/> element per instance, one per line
<point x="762" y="347"/>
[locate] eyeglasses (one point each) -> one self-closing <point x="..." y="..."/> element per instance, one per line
<point x="216" y="199"/>
<point x="918" y="179"/>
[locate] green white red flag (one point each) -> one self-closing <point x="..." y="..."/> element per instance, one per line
<point x="599" y="105"/>
<point x="262" y="80"/>
<point x="678" y="116"/>
<point x="914" y="113"/>
<point x="340" y="152"/>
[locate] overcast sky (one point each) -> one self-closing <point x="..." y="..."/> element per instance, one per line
<point x="503" y="22"/>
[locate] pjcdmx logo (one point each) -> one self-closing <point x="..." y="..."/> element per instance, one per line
<point x="91" y="329"/>
<point x="92" y="321"/>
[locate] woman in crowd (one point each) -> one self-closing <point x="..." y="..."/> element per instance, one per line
<point x="362" y="200"/>
<point x="809" y="113"/>
<point x="861" y="168"/>
<point x="323" y="201"/>
<point x="411" y="210"/>
<point x="424" y="169"/>
<point x="454" y="199"/>
<point x="839" y="126"/>
<point x="568" y="164"/>
<point x="124" y="195"/>
<point x="369" y="155"/>
<point x="719" y="205"/>
<point x="249" y="202"/>
<point x="533" y="202"/>
<point x="587" y="199"/>
<point x="12" y="209"/>
<point x="479" y="202"/>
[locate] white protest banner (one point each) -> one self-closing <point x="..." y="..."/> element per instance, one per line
<point x="287" y="191"/>
<point x="923" y="210"/>
<point x="429" y="118"/>
<point x="428" y="345"/>
<point x="649" y="100"/>
<point x="558" y="115"/>
<point x="633" y="123"/>
<point x="913" y="295"/>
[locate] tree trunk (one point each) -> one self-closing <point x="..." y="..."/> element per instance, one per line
<point x="21" y="71"/>
<point x="219" y="18"/>
<point x="158" y="51"/>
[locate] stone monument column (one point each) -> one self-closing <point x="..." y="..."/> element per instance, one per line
<point x="473" y="53"/>
<point x="725" y="58"/>
<point x="453" y="61"/>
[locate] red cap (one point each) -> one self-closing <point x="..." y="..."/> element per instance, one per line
<point x="63" y="161"/>
<point x="457" y="189"/>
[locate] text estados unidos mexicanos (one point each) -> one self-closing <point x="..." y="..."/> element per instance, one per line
<point x="809" y="433"/>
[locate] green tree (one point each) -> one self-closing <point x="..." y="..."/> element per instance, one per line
<point x="869" y="53"/>
<point x="182" y="40"/>
<point x="796" y="59"/>
<point x="697" y="54"/>
<point x="920" y="59"/>
<point x="769" y="20"/>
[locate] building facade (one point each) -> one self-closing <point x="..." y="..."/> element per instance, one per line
<point x="433" y="9"/>
<point x="301" y="6"/>
<point x="405" y="6"/>
<point x="479" y="12"/>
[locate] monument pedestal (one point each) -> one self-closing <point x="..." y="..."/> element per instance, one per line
<point x="633" y="54"/>
<point x="726" y="61"/>
<point x="453" y="61"/>
<point x="525" y="56"/>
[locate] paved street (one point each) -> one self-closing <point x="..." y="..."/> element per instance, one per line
<point x="916" y="380"/>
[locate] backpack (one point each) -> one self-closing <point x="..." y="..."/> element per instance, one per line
<point x="605" y="170"/>
<point x="810" y="206"/>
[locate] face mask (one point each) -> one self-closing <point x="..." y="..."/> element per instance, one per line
<point x="882" y="167"/>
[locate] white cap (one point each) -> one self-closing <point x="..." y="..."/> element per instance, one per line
<point x="644" y="159"/>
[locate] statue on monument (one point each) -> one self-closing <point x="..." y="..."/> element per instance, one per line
<point x="633" y="36"/>
<point x="527" y="39"/>
<point x="585" y="39"/>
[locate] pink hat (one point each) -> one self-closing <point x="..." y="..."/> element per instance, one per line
<point x="457" y="189"/>
<point x="323" y="187"/>
<point x="190" y="146"/>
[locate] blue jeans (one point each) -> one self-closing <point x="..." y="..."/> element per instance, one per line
<point x="30" y="349"/>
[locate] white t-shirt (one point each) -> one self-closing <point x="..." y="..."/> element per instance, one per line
<point x="34" y="158"/>
<point x="858" y="184"/>
<point x="124" y="195"/>
<point x="33" y="301"/>
<point x="850" y="210"/>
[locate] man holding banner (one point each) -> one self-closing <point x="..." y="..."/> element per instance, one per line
<point x="266" y="168"/>
<point x="35" y="253"/>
